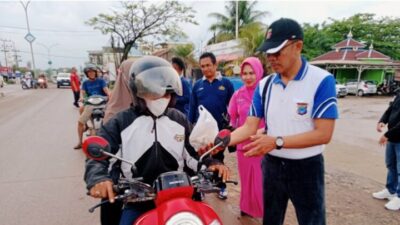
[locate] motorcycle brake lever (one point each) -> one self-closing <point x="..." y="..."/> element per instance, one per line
<point x="232" y="182"/>
<point x="91" y="210"/>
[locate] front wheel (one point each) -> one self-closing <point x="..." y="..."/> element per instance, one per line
<point x="360" y="93"/>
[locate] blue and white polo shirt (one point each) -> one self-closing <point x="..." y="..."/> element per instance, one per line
<point x="291" y="109"/>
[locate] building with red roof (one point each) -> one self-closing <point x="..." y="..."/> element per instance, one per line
<point x="351" y="60"/>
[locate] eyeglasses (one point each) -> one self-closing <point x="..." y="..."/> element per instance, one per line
<point x="277" y="54"/>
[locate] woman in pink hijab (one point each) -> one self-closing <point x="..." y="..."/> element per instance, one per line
<point x="251" y="196"/>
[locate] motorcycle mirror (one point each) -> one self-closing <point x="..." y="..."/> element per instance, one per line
<point x="94" y="147"/>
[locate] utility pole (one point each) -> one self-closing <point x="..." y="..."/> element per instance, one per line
<point x="29" y="37"/>
<point x="5" y="48"/>
<point x="48" y="52"/>
<point x="237" y="20"/>
<point x="119" y="50"/>
<point x="113" y="51"/>
<point x="16" y="57"/>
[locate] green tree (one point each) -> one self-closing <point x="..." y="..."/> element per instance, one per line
<point x="225" y="27"/>
<point x="316" y="41"/>
<point x="185" y="52"/>
<point x="251" y="37"/>
<point x="383" y="32"/>
<point x="140" y="19"/>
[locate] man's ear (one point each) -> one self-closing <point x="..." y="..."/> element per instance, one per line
<point x="299" y="45"/>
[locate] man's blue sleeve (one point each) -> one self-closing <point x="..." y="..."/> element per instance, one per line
<point x="257" y="108"/>
<point x="193" y="105"/>
<point x="325" y="102"/>
<point x="103" y="83"/>
<point x="186" y="91"/>
<point x="84" y="86"/>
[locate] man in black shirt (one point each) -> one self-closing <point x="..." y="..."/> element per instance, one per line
<point x="391" y="138"/>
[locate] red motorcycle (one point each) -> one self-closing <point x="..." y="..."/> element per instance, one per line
<point x="172" y="191"/>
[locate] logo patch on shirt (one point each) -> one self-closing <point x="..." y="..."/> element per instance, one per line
<point x="179" y="138"/>
<point x="222" y="88"/>
<point x="302" y="108"/>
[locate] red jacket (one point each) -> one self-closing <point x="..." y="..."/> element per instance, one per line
<point x="75" y="82"/>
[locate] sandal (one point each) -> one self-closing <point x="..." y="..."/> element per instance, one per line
<point x="78" y="146"/>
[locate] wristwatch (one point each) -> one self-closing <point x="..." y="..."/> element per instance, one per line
<point x="279" y="143"/>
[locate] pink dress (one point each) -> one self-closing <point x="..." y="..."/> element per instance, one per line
<point x="251" y="195"/>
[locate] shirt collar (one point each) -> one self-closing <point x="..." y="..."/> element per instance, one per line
<point x="218" y="77"/>
<point x="299" y="76"/>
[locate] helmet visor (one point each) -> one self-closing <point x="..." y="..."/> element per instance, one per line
<point x="156" y="82"/>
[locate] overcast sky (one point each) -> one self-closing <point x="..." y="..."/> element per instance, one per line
<point x="60" y="24"/>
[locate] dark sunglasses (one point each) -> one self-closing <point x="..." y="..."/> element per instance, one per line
<point x="277" y="54"/>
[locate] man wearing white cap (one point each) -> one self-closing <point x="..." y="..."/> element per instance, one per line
<point x="299" y="105"/>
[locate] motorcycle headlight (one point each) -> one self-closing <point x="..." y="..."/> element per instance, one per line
<point x="185" y="218"/>
<point x="95" y="101"/>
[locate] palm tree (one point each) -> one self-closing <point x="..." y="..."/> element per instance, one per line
<point x="185" y="52"/>
<point x="225" y="28"/>
<point x="251" y="37"/>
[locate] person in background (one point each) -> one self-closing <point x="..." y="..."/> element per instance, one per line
<point x="92" y="86"/>
<point x="391" y="138"/>
<point x="251" y="203"/>
<point x="75" y="86"/>
<point x="106" y="77"/>
<point x="213" y="92"/>
<point x="122" y="97"/>
<point x="182" y="102"/>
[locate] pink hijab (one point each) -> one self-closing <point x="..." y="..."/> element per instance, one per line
<point x="257" y="66"/>
<point x="241" y="100"/>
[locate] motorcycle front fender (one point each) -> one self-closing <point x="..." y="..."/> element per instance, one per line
<point x="165" y="211"/>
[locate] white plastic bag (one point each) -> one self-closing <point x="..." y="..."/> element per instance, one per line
<point x="205" y="130"/>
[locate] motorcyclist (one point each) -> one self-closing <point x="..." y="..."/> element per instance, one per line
<point x="92" y="86"/>
<point x="152" y="135"/>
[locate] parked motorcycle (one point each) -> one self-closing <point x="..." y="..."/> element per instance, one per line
<point x="28" y="83"/>
<point x="172" y="191"/>
<point x="98" y="102"/>
<point x="387" y="89"/>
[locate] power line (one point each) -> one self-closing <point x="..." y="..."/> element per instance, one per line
<point x="73" y="34"/>
<point x="59" y="56"/>
<point x="48" y="30"/>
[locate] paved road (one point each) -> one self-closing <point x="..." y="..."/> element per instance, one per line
<point x="40" y="174"/>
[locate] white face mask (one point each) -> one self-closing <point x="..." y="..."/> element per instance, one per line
<point x="157" y="107"/>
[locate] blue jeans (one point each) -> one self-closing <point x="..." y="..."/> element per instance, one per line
<point x="131" y="212"/>
<point x="129" y="215"/>
<point x="301" y="181"/>
<point x="392" y="161"/>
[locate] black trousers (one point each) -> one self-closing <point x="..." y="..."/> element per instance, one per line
<point x="76" y="97"/>
<point x="301" y="181"/>
<point x="110" y="214"/>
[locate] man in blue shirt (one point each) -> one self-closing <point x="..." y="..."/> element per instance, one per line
<point x="92" y="86"/>
<point x="182" y="102"/>
<point x="299" y="105"/>
<point x="214" y="93"/>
